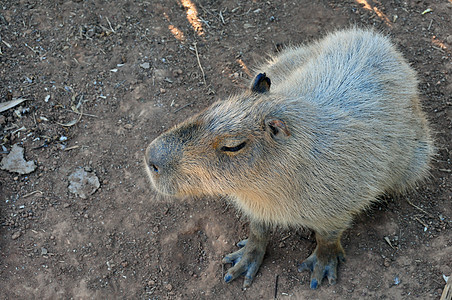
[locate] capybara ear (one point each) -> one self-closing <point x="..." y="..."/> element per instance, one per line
<point x="261" y="84"/>
<point x="277" y="128"/>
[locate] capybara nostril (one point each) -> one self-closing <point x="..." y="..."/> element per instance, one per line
<point x="154" y="168"/>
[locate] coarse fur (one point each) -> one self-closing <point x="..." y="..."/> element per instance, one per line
<point x="349" y="127"/>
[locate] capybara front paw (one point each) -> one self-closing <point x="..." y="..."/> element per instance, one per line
<point x="246" y="261"/>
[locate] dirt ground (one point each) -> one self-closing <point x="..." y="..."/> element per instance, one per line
<point x="131" y="69"/>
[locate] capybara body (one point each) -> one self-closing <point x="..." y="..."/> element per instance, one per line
<point x="334" y="125"/>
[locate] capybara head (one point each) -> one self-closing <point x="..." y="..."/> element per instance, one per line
<point x="222" y="150"/>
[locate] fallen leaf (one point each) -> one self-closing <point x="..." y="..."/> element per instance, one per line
<point x="4" y="106"/>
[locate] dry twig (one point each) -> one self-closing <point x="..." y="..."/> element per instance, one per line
<point x="182" y="107"/>
<point x="420" y="209"/>
<point x="71" y="148"/>
<point x="421" y="222"/>
<point x="199" y="64"/>
<point x="32" y="193"/>
<point x="112" y="30"/>
<point x="221" y="17"/>
<point x="7" y="44"/>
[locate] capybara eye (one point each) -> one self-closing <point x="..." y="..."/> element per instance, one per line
<point x="233" y="149"/>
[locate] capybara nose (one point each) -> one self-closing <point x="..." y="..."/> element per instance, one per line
<point x="159" y="156"/>
<point x="154" y="159"/>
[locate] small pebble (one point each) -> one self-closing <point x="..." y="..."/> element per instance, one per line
<point x="177" y="73"/>
<point x="169" y="287"/>
<point x="43" y="251"/>
<point x="128" y="126"/>
<point x="449" y="39"/>
<point x="151" y="282"/>
<point x="145" y="65"/>
<point x="16" y="235"/>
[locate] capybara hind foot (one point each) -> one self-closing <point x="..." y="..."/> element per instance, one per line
<point x="323" y="261"/>
<point x="247" y="260"/>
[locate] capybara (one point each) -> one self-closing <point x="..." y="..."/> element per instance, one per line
<point x="323" y="130"/>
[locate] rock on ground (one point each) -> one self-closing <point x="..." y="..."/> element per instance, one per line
<point x="15" y="162"/>
<point x="83" y="184"/>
